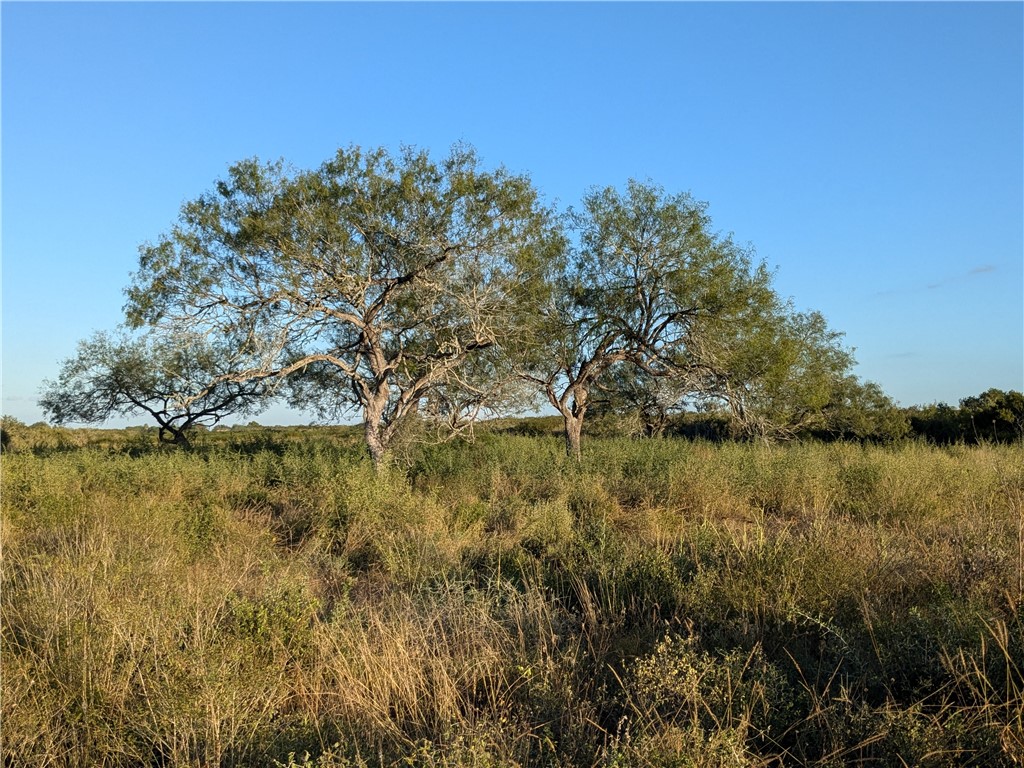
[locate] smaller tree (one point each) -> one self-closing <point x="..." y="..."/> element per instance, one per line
<point x="777" y="371"/>
<point x="182" y="382"/>
<point x="860" y="410"/>
<point x="645" y="399"/>
<point x="647" y="280"/>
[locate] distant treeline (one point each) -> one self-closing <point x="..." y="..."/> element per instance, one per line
<point x="994" y="416"/>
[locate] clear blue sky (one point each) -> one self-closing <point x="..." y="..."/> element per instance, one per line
<point x="871" y="152"/>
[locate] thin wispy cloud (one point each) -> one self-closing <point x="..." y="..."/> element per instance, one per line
<point x="981" y="269"/>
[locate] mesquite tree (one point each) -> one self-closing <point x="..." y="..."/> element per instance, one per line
<point x="645" y="401"/>
<point x="646" y="281"/>
<point x="779" y="373"/>
<point x="180" y="380"/>
<point x="370" y="281"/>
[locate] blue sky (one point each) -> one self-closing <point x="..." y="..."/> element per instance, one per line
<point x="873" y="153"/>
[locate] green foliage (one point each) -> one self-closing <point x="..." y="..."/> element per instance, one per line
<point x="992" y="416"/>
<point x="10" y="430"/>
<point x="378" y="282"/>
<point x="861" y="411"/>
<point x="649" y="285"/>
<point x="995" y="415"/>
<point x="280" y="620"/>
<point x="685" y="702"/>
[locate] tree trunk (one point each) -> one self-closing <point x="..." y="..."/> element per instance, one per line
<point x="375" y="441"/>
<point x="174" y="436"/>
<point x="377" y="435"/>
<point x="573" y="435"/>
<point x="573" y="407"/>
<point x="378" y="451"/>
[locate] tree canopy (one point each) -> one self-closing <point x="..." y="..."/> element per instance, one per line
<point x="370" y="282"/>
<point x="780" y="373"/>
<point x="646" y="285"/>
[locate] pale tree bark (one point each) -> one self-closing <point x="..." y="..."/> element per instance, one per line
<point x="375" y="443"/>
<point x="573" y="436"/>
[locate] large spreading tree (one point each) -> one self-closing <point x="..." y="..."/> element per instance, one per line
<point x="371" y="282"/>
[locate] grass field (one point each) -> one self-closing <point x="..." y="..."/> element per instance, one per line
<point x="268" y="600"/>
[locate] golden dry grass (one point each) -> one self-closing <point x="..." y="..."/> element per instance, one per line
<point x="667" y="603"/>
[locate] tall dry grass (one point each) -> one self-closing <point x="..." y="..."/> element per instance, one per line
<point x="266" y="602"/>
